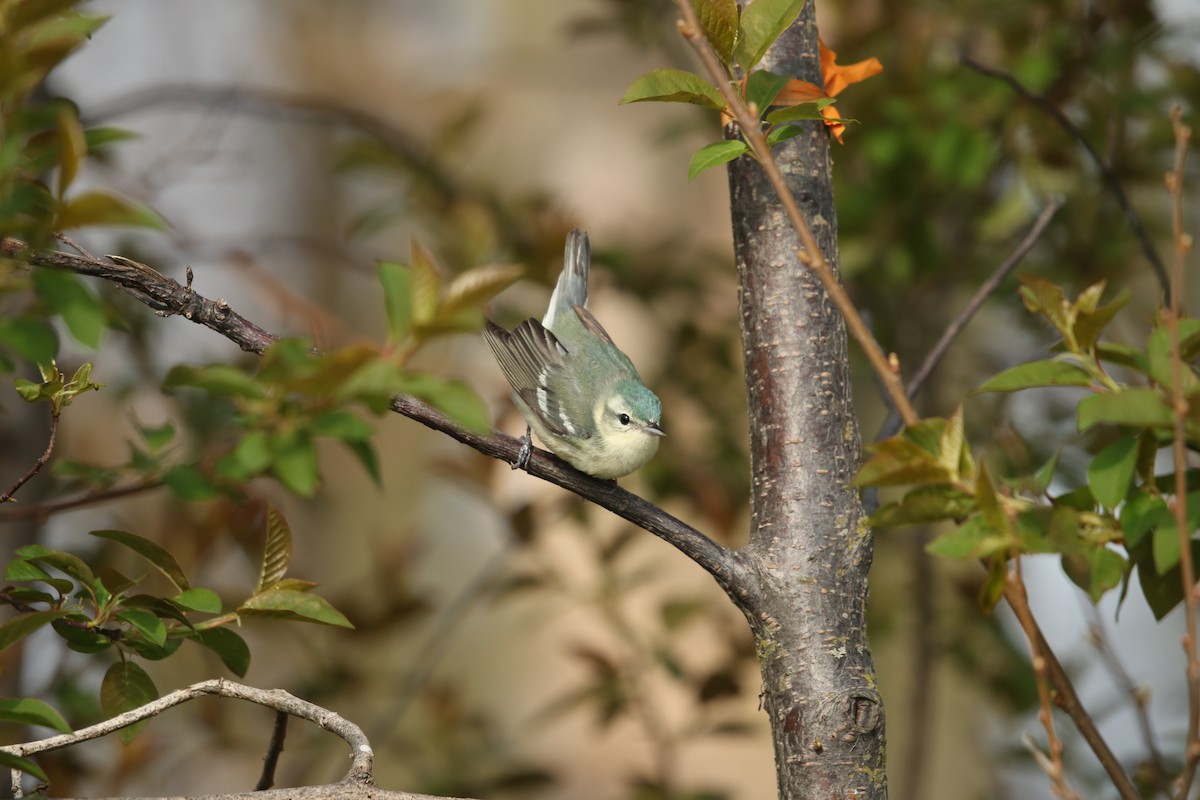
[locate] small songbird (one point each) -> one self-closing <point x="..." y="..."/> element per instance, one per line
<point x="578" y="392"/>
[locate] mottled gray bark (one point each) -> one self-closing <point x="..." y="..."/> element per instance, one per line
<point x="809" y="542"/>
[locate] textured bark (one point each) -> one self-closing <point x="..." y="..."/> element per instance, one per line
<point x="808" y="541"/>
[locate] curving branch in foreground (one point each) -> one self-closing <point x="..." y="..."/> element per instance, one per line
<point x="358" y="782"/>
<point x="167" y="297"/>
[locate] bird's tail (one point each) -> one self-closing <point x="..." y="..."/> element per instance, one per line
<point x="572" y="288"/>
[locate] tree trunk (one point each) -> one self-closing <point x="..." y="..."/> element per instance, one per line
<point x="809" y="543"/>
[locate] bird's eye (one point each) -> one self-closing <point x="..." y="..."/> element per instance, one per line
<point x="623" y="419"/>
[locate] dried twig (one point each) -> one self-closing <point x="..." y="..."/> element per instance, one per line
<point x="1179" y="407"/>
<point x="42" y="460"/>
<point x="1106" y="171"/>
<point x="43" y="510"/>
<point x="274" y="749"/>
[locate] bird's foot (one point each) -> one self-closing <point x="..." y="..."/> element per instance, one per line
<point x="525" y="452"/>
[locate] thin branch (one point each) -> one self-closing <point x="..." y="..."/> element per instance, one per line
<point x="168" y="298"/>
<point x="358" y="782"/>
<point x="274" y="748"/>
<point x="1019" y="601"/>
<point x="1067" y="700"/>
<point x="1179" y="408"/>
<point x="44" y="510"/>
<point x="811" y="255"/>
<point x="43" y="459"/>
<point x="1138" y="695"/>
<point x="956" y="326"/>
<point x="1106" y="171"/>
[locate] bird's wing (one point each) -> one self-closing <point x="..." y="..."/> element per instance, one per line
<point x="592" y="324"/>
<point x="533" y="360"/>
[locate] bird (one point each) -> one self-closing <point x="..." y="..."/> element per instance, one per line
<point x="576" y="389"/>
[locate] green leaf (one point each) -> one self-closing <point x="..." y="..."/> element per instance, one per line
<point x="21" y="570"/>
<point x="218" y="379"/>
<point x="1165" y="544"/>
<point x="719" y="22"/>
<point x="1037" y="373"/>
<point x="293" y="605"/>
<point x="1137" y="407"/>
<point x="229" y="646"/>
<point x="152" y="552"/>
<point x="101" y="208"/>
<point x="674" y="86"/>
<point x="799" y="112"/>
<point x="364" y="451"/>
<point x="30" y="338"/>
<point x="762" y="87"/>
<point x="67" y="563"/>
<point x="454" y="398"/>
<point x="277" y="552"/>
<point x="190" y="484"/>
<point x="21" y="626"/>
<point x="294" y="462"/>
<point x="148" y="624"/>
<point x="342" y="425"/>
<point x="31" y="711"/>
<point x="16" y="762"/>
<point x="69" y="298"/>
<point x="762" y="23"/>
<point x="426" y="285"/>
<point x="973" y="539"/>
<point x="81" y="639"/>
<point x="1111" y="471"/>
<point x="1095" y="571"/>
<point x="1141" y="514"/>
<point x="781" y="133"/>
<point x="1158" y="355"/>
<point x="126" y="686"/>
<point x="1045" y="474"/>
<point x="1089" y="325"/>
<point x="205" y="601"/>
<point x="989" y="503"/>
<point x="251" y="457"/>
<point x="714" y="155"/>
<point x="396" y="280"/>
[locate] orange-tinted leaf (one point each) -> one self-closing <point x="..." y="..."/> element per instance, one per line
<point x="838" y="77"/>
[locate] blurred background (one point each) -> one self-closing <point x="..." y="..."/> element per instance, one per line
<point x="512" y="641"/>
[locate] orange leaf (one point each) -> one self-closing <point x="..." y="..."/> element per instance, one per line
<point x="797" y="92"/>
<point x="838" y="77"/>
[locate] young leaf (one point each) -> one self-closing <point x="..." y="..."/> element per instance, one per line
<point x="762" y="23"/>
<point x="1096" y="570"/>
<point x="148" y="624"/>
<point x="1141" y="514"/>
<point x="294" y="462"/>
<point x="1137" y="407"/>
<point x="188" y="483"/>
<point x="396" y="280"/>
<point x="79" y="308"/>
<point x="31" y="711"/>
<point x="218" y="379"/>
<point x="715" y="154"/>
<point x="342" y="425"/>
<point x="809" y="109"/>
<point x="1111" y="471"/>
<point x="973" y="539"/>
<point x="30" y="338"/>
<point x="205" y="601"/>
<point x="781" y="133"/>
<point x="426" y="285"/>
<point x="293" y="605"/>
<point x="719" y="21"/>
<point x="277" y="552"/>
<point x="1037" y="373"/>
<point x="68" y="563"/>
<point x="476" y="286"/>
<point x="126" y="686"/>
<point x="101" y="208"/>
<point x="152" y="552"/>
<point x="454" y="398"/>
<point x="674" y="86"/>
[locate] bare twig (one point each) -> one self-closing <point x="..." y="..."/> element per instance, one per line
<point x="42" y="460"/>
<point x="43" y="510"/>
<point x="1106" y="171"/>
<point x="1019" y="601"/>
<point x="811" y="256"/>
<point x="358" y="782"/>
<point x="1179" y="407"/>
<point x="71" y="243"/>
<point x="271" y="759"/>
<point x="1138" y="695"/>
<point x="168" y="298"/>
<point x="956" y="326"/>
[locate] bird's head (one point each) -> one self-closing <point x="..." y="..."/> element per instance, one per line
<point x="631" y="410"/>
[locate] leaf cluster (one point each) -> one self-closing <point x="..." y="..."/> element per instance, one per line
<point x="1121" y="518"/>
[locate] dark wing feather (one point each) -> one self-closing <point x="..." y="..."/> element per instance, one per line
<point x="592" y="324"/>
<point x="532" y="359"/>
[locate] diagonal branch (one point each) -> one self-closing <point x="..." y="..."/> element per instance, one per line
<point x="37" y="465"/>
<point x="1109" y="174"/>
<point x="167" y="297"/>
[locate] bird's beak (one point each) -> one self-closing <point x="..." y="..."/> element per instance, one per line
<point x="652" y="427"/>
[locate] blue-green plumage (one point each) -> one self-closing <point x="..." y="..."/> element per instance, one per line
<point x="578" y="392"/>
